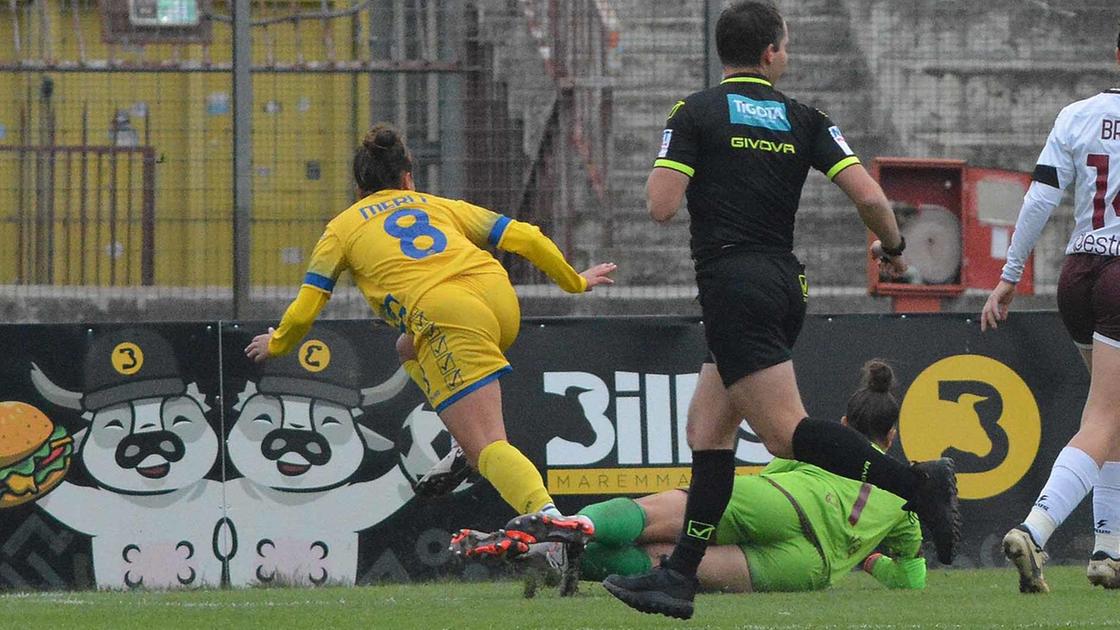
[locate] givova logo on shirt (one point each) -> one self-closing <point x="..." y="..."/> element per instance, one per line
<point x="765" y="114"/>
<point x="977" y="411"/>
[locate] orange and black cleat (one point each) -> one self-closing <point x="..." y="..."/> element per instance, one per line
<point x="544" y="527"/>
<point x="471" y="544"/>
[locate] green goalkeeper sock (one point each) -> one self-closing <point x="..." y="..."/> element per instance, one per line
<point x="617" y="522"/>
<point x="599" y="561"/>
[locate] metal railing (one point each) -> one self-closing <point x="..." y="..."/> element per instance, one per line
<point x="75" y="199"/>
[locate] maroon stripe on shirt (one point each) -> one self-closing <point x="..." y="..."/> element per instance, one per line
<point x="861" y="502"/>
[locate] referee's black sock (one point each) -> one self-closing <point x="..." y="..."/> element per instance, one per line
<point x="845" y="452"/>
<point x="713" y="475"/>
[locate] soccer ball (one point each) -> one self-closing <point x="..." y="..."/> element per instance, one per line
<point x="423" y="441"/>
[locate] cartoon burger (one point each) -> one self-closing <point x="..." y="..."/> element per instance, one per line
<point x="34" y="453"/>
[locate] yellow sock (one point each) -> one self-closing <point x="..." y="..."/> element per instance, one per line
<point x="514" y="476"/>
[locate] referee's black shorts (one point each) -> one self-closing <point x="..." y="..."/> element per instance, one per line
<point x="753" y="306"/>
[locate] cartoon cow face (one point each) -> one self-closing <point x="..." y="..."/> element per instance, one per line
<point x="150" y="445"/>
<point x="293" y="442"/>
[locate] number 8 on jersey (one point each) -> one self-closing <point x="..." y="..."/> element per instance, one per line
<point x="418" y="238"/>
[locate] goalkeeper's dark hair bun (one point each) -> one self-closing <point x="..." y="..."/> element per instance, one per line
<point x="382" y="160"/>
<point x="873" y="409"/>
<point x="878" y="376"/>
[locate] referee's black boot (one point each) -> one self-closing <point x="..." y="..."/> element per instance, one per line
<point x="662" y="590"/>
<point x="935" y="503"/>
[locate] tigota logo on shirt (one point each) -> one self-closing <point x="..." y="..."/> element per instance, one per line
<point x="977" y="411"/>
<point x="764" y="114"/>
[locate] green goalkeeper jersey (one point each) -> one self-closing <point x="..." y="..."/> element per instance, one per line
<point x="851" y="520"/>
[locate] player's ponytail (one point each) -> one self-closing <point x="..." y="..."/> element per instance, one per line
<point x="873" y="409"/>
<point x="381" y="161"/>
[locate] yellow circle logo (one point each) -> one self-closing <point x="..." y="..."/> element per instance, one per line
<point x="314" y="355"/>
<point x="127" y="358"/>
<point x="977" y="411"/>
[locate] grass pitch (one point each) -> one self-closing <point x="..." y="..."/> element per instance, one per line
<point x="953" y="599"/>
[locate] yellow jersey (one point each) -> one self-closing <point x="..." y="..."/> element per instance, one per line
<point x="398" y="244"/>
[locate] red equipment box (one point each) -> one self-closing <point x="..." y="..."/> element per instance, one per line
<point x="957" y="220"/>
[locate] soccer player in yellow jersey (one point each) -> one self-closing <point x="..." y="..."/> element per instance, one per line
<point x="418" y="260"/>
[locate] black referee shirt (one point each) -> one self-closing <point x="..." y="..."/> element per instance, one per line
<point x="748" y="149"/>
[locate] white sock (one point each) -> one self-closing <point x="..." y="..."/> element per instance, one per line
<point x="1071" y="478"/>
<point x="1106" y="510"/>
<point x="550" y="509"/>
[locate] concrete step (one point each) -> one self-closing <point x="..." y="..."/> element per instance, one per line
<point x="651" y="265"/>
<point x="628" y="197"/>
<point x="819" y="33"/>
<point x="648" y="105"/>
<point x="637" y="11"/>
<point x="797" y="9"/>
<point x="638" y="161"/>
<point x="666" y="68"/>
<point x="636" y="229"/>
<point x="650" y="16"/>
<point x="635" y="149"/>
<point x="647" y="36"/>
<point x="825" y="71"/>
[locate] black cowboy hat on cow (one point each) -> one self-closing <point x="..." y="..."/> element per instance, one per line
<point x="325" y="367"/>
<point x="130" y="364"/>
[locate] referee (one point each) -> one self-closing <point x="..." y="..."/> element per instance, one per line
<point x="740" y="152"/>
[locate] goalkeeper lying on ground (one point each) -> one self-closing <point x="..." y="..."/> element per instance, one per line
<point x="793" y="527"/>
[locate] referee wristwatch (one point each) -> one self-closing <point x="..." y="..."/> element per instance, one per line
<point x="894" y="252"/>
